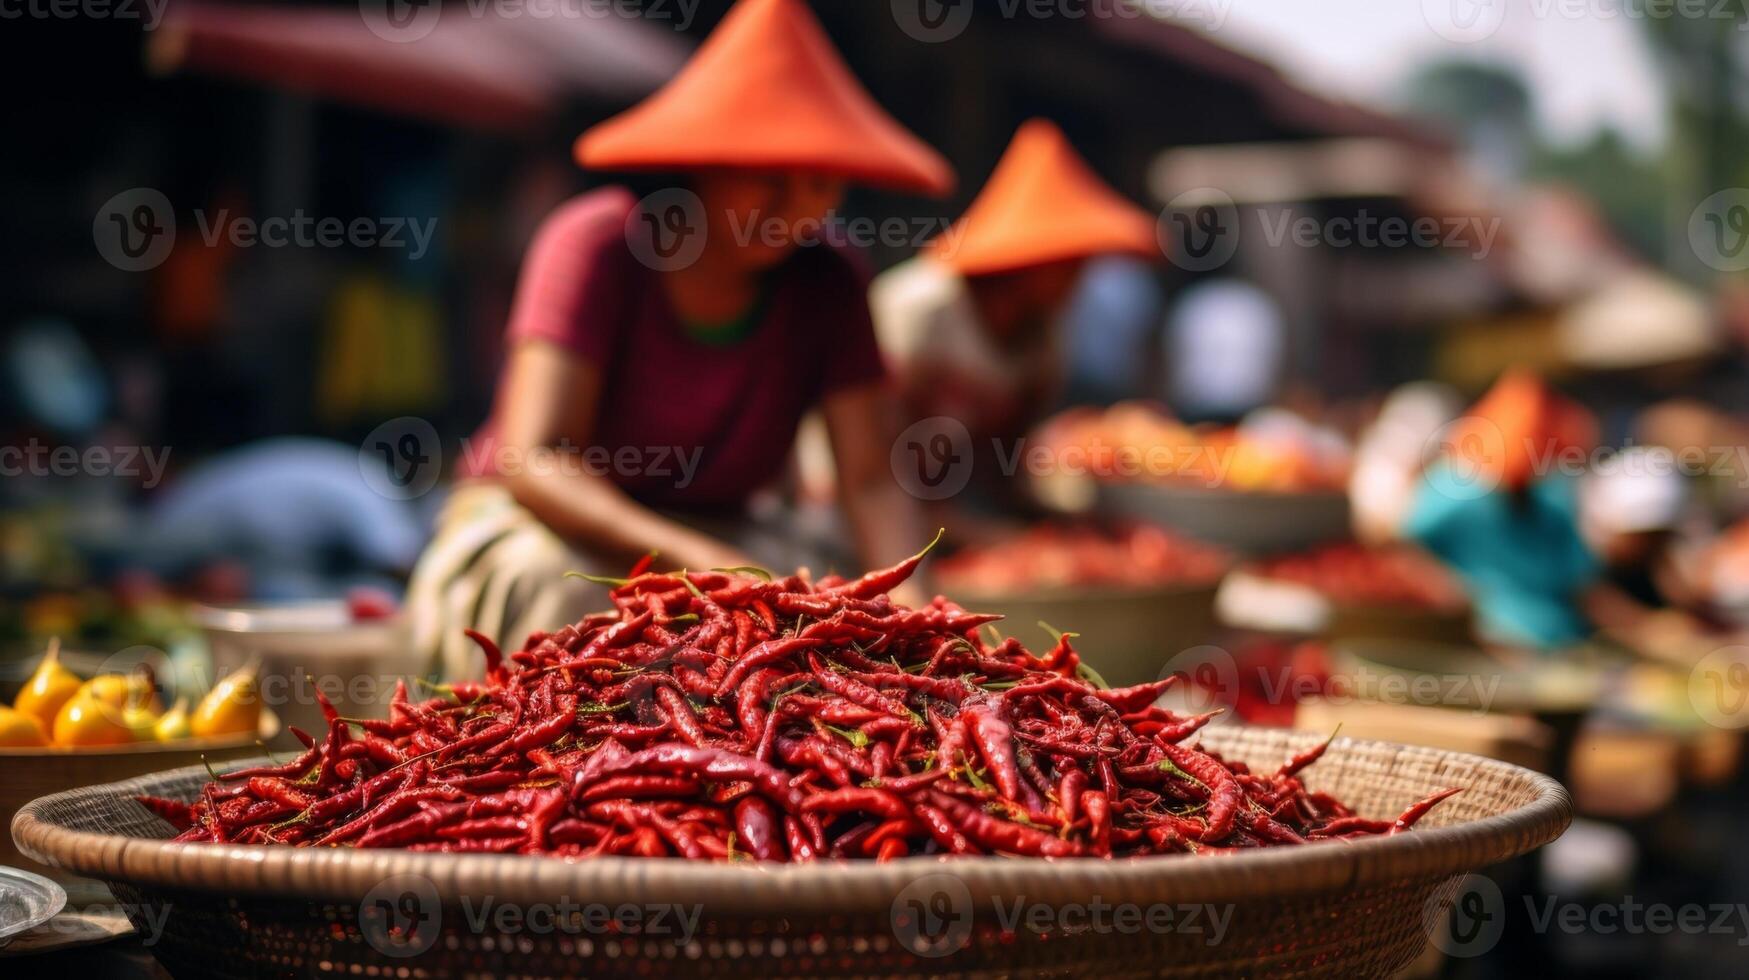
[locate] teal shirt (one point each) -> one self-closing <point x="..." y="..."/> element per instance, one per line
<point x="1525" y="566"/>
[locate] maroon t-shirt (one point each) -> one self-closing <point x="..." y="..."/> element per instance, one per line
<point x="683" y="422"/>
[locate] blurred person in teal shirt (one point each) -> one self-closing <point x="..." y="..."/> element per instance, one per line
<point x="1501" y="507"/>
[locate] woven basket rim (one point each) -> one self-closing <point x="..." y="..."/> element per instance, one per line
<point x="347" y="874"/>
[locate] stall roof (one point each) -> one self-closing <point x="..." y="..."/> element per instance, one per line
<point x="501" y="73"/>
<point x="1287" y="103"/>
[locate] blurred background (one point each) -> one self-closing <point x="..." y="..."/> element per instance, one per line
<point x="1368" y="212"/>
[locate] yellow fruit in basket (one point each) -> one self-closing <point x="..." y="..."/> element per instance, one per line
<point x="140" y="721"/>
<point x="19" y="730"/>
<point x="174" y="723"/>
<point x="120" y="690"/>
<point x="232" y="707"/>
<point x="86" y="721"/>
<point x="48" y="689"/>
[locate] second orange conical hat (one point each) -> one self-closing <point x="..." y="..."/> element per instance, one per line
<point x="1043" y="204"/>
<point x="1520" y="431"/>
<point x="767" y="91"/>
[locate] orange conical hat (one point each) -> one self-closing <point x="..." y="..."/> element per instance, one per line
<point x="1043" y="204"/>
<point x="767" y="90"/>
<point x="1520" y="428"/>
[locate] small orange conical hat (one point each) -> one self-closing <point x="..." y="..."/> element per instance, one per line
<point x="1519" y="430"/>
<point x="1043" y="204"/>
<point x="767" y="90"/>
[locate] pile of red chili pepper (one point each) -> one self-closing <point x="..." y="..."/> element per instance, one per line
<point x="723" y="715"/>
<point x="1352" y="574"/>
<point x="1051" y="556"/>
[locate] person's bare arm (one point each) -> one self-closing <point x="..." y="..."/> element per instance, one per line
<point x="885" y="521"/>
<point x="548" y="407"/>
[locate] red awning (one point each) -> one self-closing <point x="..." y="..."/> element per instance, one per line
<point x="476" y="69"/>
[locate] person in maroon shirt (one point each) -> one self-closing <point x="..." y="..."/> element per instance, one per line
<point x="663" y="351"/>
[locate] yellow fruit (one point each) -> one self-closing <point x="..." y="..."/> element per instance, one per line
<point x="140" y="721"/>
<point x="232" y="707"/>
<point x="85" y="721"/>
<point x="174" y="723"/>
<point x="49" y="688"/>
<point x="120" y="690"/>
<point x="18" y="729"/>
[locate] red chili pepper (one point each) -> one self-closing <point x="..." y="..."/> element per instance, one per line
<point x="765" y="654"/>
<point x="1070" y="789"/>
<point x="296" y="767"/>
<point x="1419" y="809"/>
<point x="846" y="686"/>
<point x="886" y="579"/>
<point x="766" y="616"/>
<point x="494" y="657"/>
<point x="1224" y="793"/>
<point x="680" y="715"/>
<point x="756" y="828"/>
<point x="1304" y="759"/>
<point x="1001" y="835"/>
<point x="1098" y="820"/>
<point x="851" y="799"/>
<point x="995" y="741"/>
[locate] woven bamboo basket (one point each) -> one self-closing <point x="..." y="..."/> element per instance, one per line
<point x="1338" y="909"/>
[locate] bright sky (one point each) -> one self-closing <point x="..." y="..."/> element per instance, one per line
<point x="1586" y="61"/>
